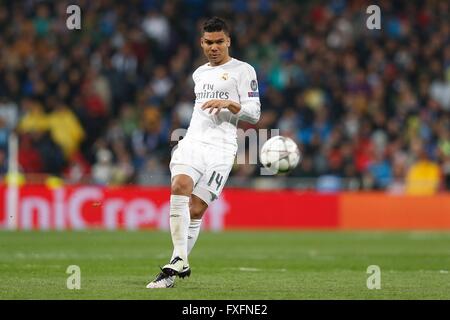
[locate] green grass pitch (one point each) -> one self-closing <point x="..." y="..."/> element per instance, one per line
<point x="227" y="265"/>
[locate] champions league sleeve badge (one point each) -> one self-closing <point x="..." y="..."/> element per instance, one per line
<point x="254" y="86"/>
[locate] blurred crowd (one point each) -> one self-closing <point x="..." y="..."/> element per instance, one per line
<point x="98" y="105"/>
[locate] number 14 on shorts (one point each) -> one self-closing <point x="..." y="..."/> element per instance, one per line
<point x="218" y="179"/>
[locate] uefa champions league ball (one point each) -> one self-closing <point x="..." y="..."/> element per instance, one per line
<point x="280" y="154"/>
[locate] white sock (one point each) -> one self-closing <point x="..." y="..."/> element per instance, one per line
<point x="194" y="230"/>
<point x="179" y="225"/>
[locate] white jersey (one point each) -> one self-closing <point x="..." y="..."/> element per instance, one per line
<point x="234" y="80"/>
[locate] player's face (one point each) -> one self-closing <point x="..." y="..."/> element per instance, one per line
<point x="215" y="47"/>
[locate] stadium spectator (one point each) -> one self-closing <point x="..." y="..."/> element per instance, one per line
<point x="424" y="176"/>
<point x="29" y="157"/>
<point x="102" y="170"/>
<point x="65" y="129"/>
<point x="34" y="118"/>
<point x="381" y="171"/>
<point x="9" y="113"/>
<point x="4" y="137"/>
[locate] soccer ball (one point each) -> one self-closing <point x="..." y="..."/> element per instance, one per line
<point x="280" y="154"/>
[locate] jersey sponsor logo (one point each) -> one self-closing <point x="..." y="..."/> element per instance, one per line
<point x="209" y="92"/>
<point x="212" y="95"/>
<point x="254" y="85"/>
<point x="253" y="94"/>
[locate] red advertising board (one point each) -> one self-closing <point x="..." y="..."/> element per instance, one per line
<point x="133" y="208"/>
<point x="280" y="209"/>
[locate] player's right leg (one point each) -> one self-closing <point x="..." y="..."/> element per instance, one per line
<point x="181" y="189"/>
<point x="197" y="208"/>
<point x="185" y="168"/>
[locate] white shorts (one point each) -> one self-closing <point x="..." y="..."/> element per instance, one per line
<point x="207" y="165"/>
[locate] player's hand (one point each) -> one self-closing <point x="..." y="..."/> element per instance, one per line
<point x="215" y="105"/>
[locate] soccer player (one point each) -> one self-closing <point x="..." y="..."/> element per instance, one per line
<point x="226" y="91"/>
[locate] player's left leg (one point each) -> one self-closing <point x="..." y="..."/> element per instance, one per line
<point x="197" y="209"/>
<point x="207" y="190"/>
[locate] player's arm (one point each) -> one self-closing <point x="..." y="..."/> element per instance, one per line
<point x="248" y="111"/>
<point x="250" y="107"/>
<point x="217" y="104"/>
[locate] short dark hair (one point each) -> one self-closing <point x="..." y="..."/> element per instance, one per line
<point x="216" y="24"/>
